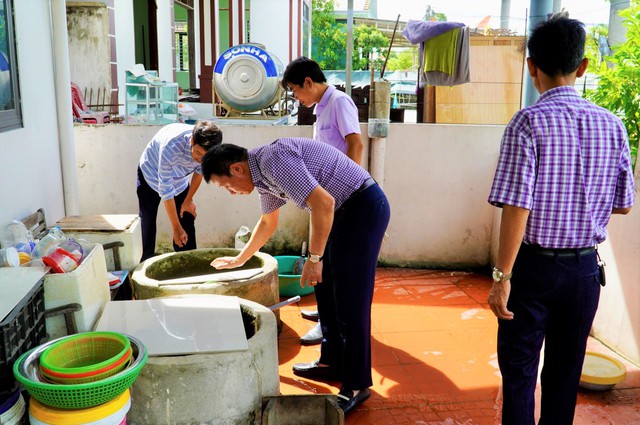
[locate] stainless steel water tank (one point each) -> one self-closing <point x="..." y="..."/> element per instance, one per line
<point x="247" y="77"/>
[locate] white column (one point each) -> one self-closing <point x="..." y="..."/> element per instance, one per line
<point x="62" y="81"/>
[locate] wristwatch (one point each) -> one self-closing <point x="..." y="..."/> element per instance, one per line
<point x="499" y="276"/>
<point x="314" y="258"/>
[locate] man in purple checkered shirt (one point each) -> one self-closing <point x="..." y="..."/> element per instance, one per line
<point x="349" y="216"/>
<point x="564" y="168"/>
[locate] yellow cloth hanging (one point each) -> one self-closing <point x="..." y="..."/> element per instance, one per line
<point x="440" y="52"/>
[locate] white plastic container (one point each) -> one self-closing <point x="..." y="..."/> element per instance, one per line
<point x="113" y="412"/>
<point x="88" y="285"/>
<point x="14" y="415"/>
<point x="130" y="253"/>
<point x="378" y="127"/>
<point x="9" y="257"/>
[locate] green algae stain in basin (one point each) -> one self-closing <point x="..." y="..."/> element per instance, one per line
<point x="194" y="263"/>
<point x="178" y="273"/>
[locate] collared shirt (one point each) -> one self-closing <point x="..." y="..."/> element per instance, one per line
<point x="567" y="161"/>
<point x="291" y="168"/>
<point x="166" y="162"/>
<point x="336" y="118"/>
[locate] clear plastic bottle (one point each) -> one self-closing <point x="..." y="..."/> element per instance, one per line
<point x="17" y="235"/>
<point x="49" y="242"/>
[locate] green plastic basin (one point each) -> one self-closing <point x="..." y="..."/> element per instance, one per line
<point x="289" y="283"/>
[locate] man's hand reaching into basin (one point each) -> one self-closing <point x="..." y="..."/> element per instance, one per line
<point x="226" y="263"/>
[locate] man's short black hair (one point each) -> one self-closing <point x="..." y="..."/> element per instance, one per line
<point x="217" y="161"/>
<point x="301" y="68"/>
<point x="556" y="46"/>
<point x="206" y="134"/>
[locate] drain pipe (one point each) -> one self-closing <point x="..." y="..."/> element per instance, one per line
<point x="539" y="10"/>
<point x="62" y="82"/>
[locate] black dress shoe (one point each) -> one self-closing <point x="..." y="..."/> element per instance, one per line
<point x="310" y="315"/>
<point x="313" y="371"/>
<point x="348" y="402"/>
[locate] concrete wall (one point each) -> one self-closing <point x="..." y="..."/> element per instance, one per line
<point x="30" y="171"/>
<point x="89" y="47"/>
<point x="618" y="319"/>
<point x="437" y="179"/>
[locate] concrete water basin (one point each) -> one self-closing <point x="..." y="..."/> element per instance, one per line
<point x="190" y="272"/>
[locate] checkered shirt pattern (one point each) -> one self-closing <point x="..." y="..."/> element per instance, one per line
<point x="567" y="161"/>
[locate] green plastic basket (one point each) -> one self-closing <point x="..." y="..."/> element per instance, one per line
<point x="81" y="396"/>
<point x="85" y="352"/>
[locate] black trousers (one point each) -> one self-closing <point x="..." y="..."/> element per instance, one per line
<point x="148" y="203"/>
<point x="554" y="299"/>
<point x="346" y="292"/>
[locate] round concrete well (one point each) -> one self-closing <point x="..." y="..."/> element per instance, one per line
<point x="190" y="272"/>
<point x="222" y="388"/>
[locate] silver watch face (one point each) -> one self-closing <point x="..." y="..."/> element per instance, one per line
<point x="497" y="275"/>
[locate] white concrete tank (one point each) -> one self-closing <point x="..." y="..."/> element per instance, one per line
<point x="223" y="388"/>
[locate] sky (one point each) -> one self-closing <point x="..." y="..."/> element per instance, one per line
<point x="471" y="12"/>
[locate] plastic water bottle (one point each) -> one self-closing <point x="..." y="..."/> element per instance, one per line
<point x="49" y="242"/>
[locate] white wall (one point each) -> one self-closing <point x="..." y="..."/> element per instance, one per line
<point x="273" y="33"/>
<point x="165" y="41"/>
<point x="618" y="319"/>
<point x="30" y="171"/>
<point x="125" y="45"/>
<point x="437" y="180"/>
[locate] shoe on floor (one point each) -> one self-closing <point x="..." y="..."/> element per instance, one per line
<point x="310" y="315"/>
<point x="313" y="337"/>
<point x="314" y="371"/>
<point x="348" y="402"/>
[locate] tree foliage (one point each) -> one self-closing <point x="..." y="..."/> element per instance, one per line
<point x="329" y="41"/>
<point x="3" y="32"/>
<point x="618" y="83"/>
<point x="406" y="60"/>
<point x="592" y="46"/>
<point x="368" y="43"/>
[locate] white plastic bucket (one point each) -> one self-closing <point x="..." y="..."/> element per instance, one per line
<point x="113" y="412"/>
<point x="13" y="416"/>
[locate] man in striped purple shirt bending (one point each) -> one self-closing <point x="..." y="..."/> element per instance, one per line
<point x="349" y="215"/>
<point x="564" y="168"/>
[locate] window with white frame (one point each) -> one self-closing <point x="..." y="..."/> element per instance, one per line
<point x="10" y="115"/>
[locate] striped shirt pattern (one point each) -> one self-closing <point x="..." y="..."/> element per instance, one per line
<point x="337" y="117"/>
<point x="567" y="161"/>
<point x="291" y="168"/>
<point x="166" y="162"/>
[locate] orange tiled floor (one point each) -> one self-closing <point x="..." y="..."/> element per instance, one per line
<point x="434" y="356"/>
